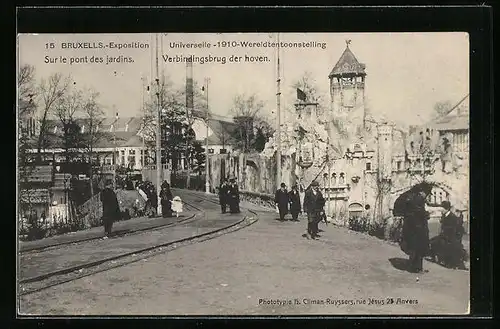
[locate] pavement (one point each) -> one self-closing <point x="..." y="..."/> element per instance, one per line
<point x="267" y="268"/>
<point x="40" y="263"/>
<point x="97" y="232"/>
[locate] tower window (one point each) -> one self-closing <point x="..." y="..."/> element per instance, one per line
<point x="342" y="178"/>
<point x="368" y="166"/>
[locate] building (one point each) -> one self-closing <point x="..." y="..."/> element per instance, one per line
<point x="124" y="138"/>
<point x="362" y="164"/>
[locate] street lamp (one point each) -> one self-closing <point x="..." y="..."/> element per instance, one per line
<point x="207" y="183"/>
<point x="328" y="163"/>
<point x="114" y="150"/>
<point x="158" y="148"/>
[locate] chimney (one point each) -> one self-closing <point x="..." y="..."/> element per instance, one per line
<point x="189" y="88"/>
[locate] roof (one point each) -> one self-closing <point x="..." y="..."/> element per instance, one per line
<point x="347" y="64"/>
<point x="222" y="132"/>
<point x="454" y="122"/>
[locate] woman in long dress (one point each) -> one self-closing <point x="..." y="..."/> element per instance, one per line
<point x="166" y="200"/>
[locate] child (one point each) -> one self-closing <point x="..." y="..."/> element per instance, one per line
<point x="177" y="205"/>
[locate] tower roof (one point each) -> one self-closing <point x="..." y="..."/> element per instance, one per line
<point x="348" y="65"/>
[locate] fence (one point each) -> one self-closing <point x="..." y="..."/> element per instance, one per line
<point x="149" y="174"/>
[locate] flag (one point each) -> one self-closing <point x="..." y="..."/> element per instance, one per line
<point x="301" y="95"/>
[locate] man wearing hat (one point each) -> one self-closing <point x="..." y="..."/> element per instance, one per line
<point x="110" y="207"/>
<point x="313" y="206"/>
<point x="223" y="191"/>
<point x="234" y="196"/>
<point x="415" y="233"/>
<point x="447" y="246"/>
<point x="281" y="201"/>
<point x="294" y="200"/>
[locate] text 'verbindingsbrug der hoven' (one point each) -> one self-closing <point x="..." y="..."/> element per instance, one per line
<point x="214" y="59"/>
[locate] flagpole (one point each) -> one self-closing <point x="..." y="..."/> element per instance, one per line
<point x="278" y="113"/>
<point x="158" y="131"/>
<point x="207" y="183"/>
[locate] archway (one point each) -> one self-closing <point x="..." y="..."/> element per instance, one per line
<point x="252" y="176"/>
<point x="355" y="210"/>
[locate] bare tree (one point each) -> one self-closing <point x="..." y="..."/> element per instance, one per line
<point x="308" y="84"/>
<point x="26" y="88"/>
<point x="50" y="91"/>
<point x="94" y="117"/>
<point x="66" y="111"/>
<point x="26" y="93"/>
<point x="442" y="108"/>
<point x="246" y="110"/>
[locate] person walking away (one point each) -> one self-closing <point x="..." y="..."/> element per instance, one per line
<point x="154" y="201"/>
<point x="281" y="201"/>
<point x="110" y="208"/>
<point x="234" y="197"/>
<point x="223" y="190"/>
<point x="313" y="206"/>
<point x="415" y="233"/>
<point x="294" y="200"/>
<point x="166" y="200"/>
<point x="177" y="205"/>
<point x="448" y="244"/>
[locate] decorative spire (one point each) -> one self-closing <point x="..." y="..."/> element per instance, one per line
<point x="348" y="42"/>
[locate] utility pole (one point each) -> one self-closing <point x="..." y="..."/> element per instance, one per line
<point x="143" y="151"/>
<point x="207" y="183"/>
<point x="114" y="150"/>
<point x="158" y="132"/>
<point x="278" y="113"/>
<point x="329" y="178"/>
<point x="189" y="111"/>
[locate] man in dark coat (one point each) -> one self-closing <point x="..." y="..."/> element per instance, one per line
<point x="281" y="201"/>
<point x="110" y="207"/>
<point x="154" y="200"/>
<point x="448" y="244"/>
<point x="234" y="197"/>
<point x="166" y="199"/>
<point x="313" y="206"/>
<point x="294" y="200"/>
<point x="223" y="191"/>
<point x="415" y="233"/>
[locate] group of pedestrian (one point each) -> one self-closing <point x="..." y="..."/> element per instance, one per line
<point x="289" y="202"/>
<point x="415" y="242"/>
<point x="148" y="192"/>
<point x="229" y="195"/>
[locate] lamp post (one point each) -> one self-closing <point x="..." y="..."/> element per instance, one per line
<point x="158" y="133"/>
<point x="278" y="114"/>
<point x="329" y="178"/>
<point x="207" y="183"/>
<point x="114" y="150"/>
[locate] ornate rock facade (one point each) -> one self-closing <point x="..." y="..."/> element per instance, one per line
<point x="361" y="165"/>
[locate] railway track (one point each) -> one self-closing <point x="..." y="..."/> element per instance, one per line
<point x="49" y="279"/>
<point x="119" y="233"/>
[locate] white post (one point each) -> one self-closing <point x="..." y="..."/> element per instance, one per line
<point x="158" y="133"/>
<point x="207" y="182"/>
<point x="278" y="113"/>
<point x="114" y="151"/>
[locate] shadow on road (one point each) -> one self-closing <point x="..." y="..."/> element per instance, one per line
<point x="401" y="264"/>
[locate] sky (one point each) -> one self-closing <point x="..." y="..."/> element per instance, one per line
<point x="407" y="73"/>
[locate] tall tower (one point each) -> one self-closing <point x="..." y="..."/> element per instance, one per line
<point x="347" y="91"/>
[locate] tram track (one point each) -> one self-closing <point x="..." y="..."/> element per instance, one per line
<point x="120" y="234"/>
<point x="50" y="279"/>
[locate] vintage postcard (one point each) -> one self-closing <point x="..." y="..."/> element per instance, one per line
<point x="243" y="174"/>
